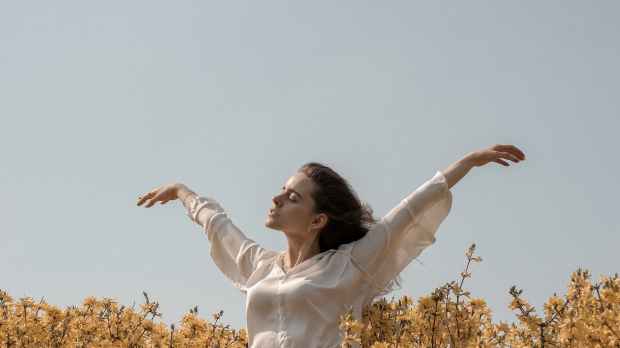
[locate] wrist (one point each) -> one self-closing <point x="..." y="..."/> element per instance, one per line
<point x="468" y="160"/>
<point x="182" y="191"/>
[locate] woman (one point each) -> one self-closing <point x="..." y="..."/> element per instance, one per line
<point x="338" y="256"/>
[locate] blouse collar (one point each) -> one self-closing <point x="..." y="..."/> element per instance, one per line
<point x="302" y="265"/>
<point x="309" y="261"/>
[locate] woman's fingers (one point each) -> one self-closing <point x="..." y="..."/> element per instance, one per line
<point x="153" y="200"/>
<point x="509" y="156"/>
<point x="504" y="163"/>
<point x="142" y="199"/>
<point x="510" y="149"/>
<point x="500" y="154"/>
<point x="147" y="196"/>
<point x="163" y="194"/>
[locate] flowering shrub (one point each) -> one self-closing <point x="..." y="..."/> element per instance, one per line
<point x="587" y="316"/>
<point x="102" y="323"/>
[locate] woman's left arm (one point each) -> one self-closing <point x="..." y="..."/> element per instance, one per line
<point x="496" y="153"/>
<point x="410" y="227"/>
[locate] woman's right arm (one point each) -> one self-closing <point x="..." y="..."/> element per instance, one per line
<point x="234" y="254"/>
<point x="194" y="204"/>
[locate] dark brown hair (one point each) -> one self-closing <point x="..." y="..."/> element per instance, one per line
<point x="349" y="219"/>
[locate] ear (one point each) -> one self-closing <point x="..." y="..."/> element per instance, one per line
<point x="319" y="221"/>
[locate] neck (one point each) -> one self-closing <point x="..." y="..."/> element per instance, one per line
<point x="300" y="250"/>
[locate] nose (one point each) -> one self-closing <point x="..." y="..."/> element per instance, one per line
<point x="276" y="200"/>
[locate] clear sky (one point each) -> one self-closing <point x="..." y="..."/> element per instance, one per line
<point x="103" y="101"/>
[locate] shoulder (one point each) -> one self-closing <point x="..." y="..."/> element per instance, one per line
<point x="345" y="249"/>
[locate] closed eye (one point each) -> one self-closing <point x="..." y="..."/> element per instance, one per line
<point x="293" y="195"/>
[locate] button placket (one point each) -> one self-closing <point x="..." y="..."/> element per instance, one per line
<point x="280" y="299"/>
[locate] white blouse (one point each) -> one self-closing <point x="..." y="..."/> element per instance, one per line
<point x="301" y="307"/>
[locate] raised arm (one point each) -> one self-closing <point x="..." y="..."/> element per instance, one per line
<point x="199" y="209"/>
<point x="237" y="256"/>
<point x="410" y="227"/>
<point x="403" y="233"/>
<point x="496" y="153"/>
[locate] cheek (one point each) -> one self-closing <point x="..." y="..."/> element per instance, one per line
<point x="295" y="215"/>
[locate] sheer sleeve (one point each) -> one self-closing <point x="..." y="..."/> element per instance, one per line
<point x="235" y="255"/>
<point x="403" y="233"/>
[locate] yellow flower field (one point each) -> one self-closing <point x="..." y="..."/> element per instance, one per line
<point x="588" y="315"/>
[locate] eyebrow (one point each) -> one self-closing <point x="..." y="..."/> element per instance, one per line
<point x="299" y="194"/>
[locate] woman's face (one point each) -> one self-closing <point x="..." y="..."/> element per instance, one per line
<point x="292" y="212"/>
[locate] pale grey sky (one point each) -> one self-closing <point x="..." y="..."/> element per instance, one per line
<point x="103" y="101"/>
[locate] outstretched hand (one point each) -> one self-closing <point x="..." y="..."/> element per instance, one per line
<point x="162" y="194"/>
<point x="497" y="154"/>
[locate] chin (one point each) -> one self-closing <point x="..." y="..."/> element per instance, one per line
<point x="270" y="223"/>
